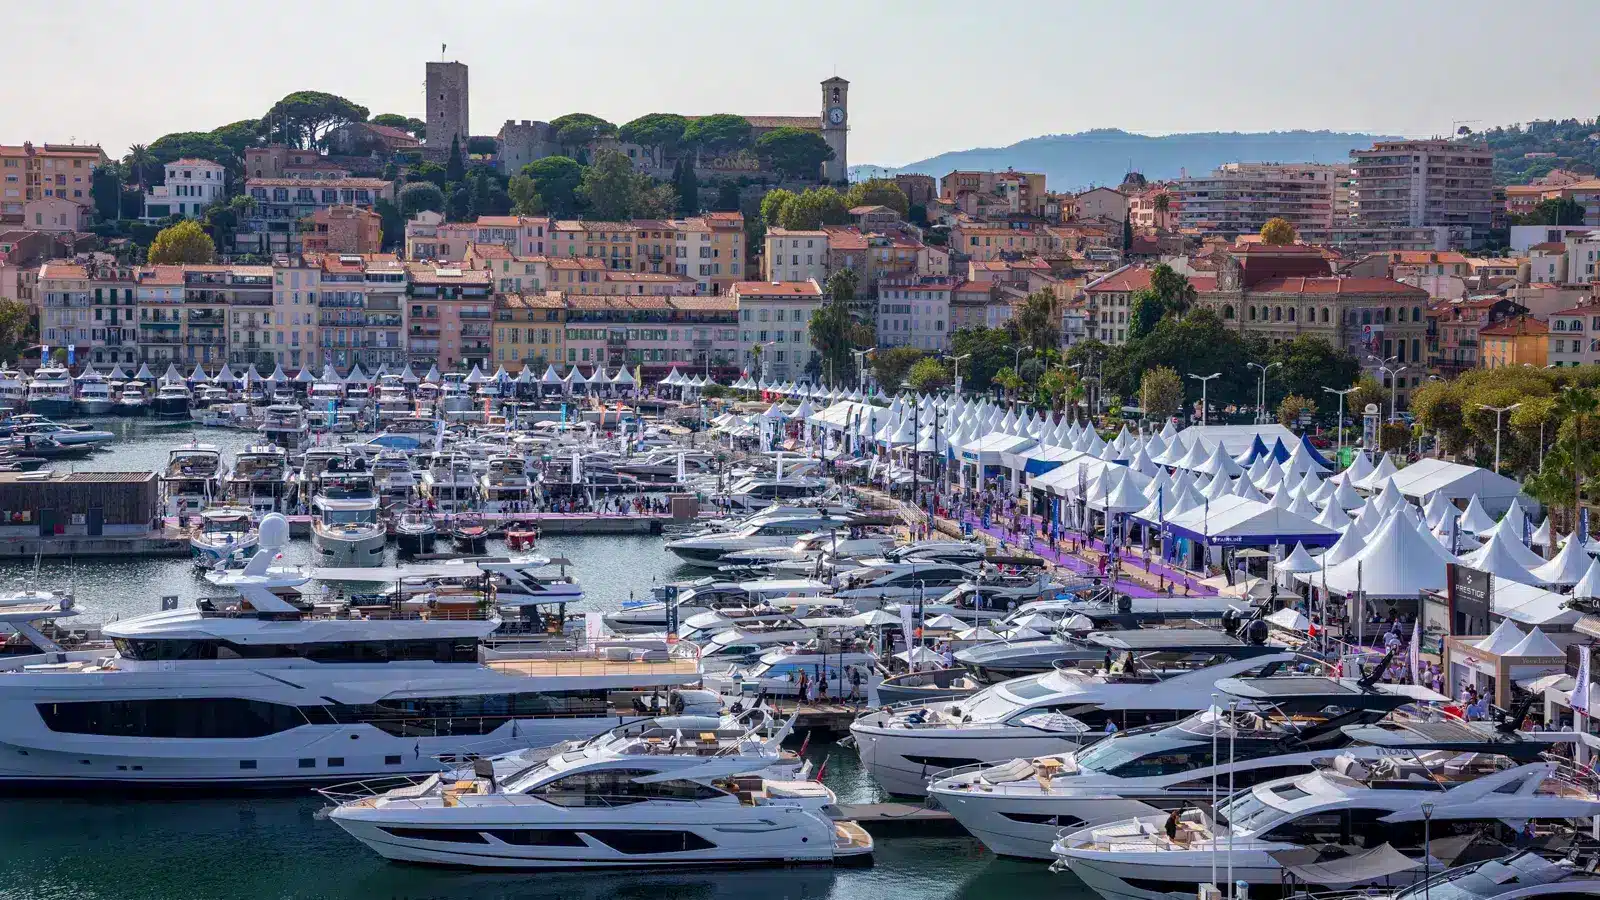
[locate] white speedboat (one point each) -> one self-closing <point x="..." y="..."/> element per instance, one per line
<point x="265" y="688"/>
<point x="38" y="427"/>
<point x="709" y="549"/>
<point x="1441" y="779"/>
<point x="668" y="792"/>
<point x="1039" y="715"/>
<point x="224" y="531"/>
<point x="707" y="595"/>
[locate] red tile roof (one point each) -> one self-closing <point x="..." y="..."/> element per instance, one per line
<point x="1334" y="284"/>
<point x="1517" y="327"/>
<point x="1127" y="280"/>
<point x="777" y="289"/>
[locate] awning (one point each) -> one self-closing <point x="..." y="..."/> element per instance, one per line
<point x="1379" y="862"/>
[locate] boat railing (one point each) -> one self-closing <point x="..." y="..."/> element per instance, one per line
<point x="361" y="608"/>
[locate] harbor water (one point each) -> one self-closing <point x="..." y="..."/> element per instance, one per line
<point x="195" y="847"/>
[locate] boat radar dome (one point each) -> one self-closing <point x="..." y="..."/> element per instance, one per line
<point x="274" y="531"/>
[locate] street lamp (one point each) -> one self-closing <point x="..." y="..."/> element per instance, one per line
<point x="1261" y="392"/>
<point x="861" y="366"/>
<point x="1341" y="394"/>
<point x="1498" y="410"/>
<point x="1427" y="845"/>
<point x="957" y="360"/>
<point x="1205" y="382"/>
<point x="1394" y="383"/>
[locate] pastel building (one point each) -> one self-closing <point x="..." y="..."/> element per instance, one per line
<point x="191" y="186"/>
<point x="775" y="326"/>
<point x="915" y="312"/>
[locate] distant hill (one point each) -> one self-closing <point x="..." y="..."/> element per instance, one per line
<point x="1523" y="152"/>
<point x="1103" y="156"/>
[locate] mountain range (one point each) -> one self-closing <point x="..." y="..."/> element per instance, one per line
<point x="1104" y="155"/>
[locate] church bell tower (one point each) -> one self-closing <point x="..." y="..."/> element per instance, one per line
<point x="835" y="127"/>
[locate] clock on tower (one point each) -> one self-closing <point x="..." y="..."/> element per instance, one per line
<point x="836" y="115"/>
<point x="835" y="112"/>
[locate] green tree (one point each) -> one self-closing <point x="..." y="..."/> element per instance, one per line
<point x="659" y="133"/>
<point x="185" y="243"/>
<point x="1174" y="289"/>
<point x="557" y="179"/>
<point x="575" y="131"/>
<point x="1195" y="344"/>
<point x="1555" y="211"/>
<point x="140" y="161"/>
<point x="459" y="206"/>
<point x="890" y="367"/>
<point x="1293" y="407"/>
<point x="415" y="127"/>
<point x="1146" y="310"/>
<point x="718" y="135"/>
<point x="1039" y="321"/>
<point x="611" y="189"/>
<point x="878" y="192"/>
<point x="927" y="374"/>
<point x="1560" y="481"/>
<point x="988" y="350"/>
<point x="525" y="199"/>
<point x="794" y="152"/>
<point x="428" y="171"/>
<point x="687" y="184"/>
<point x="420" y="195"/>
<point x="1163" y="204"/>
<point x="813" y="208"/>
<point x="1161" y="392"/>
<point x="1008" y="378"/>
<point x="306" y="117"/>
<point x="455" y="169"/>
<point x="239" y="136"/>
<point x="1368" y="390"/>
<point x="1278" y="232"/>
<point x="393" y="223"/>
<point x="106" y="188"/>
<point x="1306" y="365"/>
<point x="772" y="206"/>
<point x="18" y="330"/>
<point x="833" y="329"/>
<point x="728" y="195"/>
<point x="197" y="144"/>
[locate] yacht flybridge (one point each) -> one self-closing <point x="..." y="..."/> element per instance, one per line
<point x="674" y="791"/>
<point x="1017" y="808"/>
<point x="1438" y="780"/>
<point x="1035" y="716"/>
<point x="266" y="688"/>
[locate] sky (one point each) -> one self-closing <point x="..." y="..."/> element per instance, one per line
<point x="926" y="77"/>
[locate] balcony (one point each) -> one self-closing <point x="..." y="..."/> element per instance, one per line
<point x="473" y="314"/>
<point x="390" y="320"/>
<point x="475" y="331"/>
<point x="197" y="317"/>
<point x="252" y="300"/>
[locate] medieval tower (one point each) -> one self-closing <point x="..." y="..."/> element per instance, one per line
<point x="835" y="126"/>
<point x="447" y="107"/>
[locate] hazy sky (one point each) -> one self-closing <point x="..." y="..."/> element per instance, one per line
<point x="925" y="76"/>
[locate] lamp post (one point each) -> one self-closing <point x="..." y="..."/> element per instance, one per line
<point x="957" y="360"/>
<point x="1386" y="366"/>
<point x="1498" y="411"/>
<point x="861" y="366"/>
<point x="1261" y="392"/>
<point x="1427" y="845"/>
<point x="1341" y="394"/>
<point x="1205" y="382"/>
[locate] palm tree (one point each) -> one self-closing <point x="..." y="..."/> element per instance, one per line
<point x="1037" y="322"/>
<point x="1579" y="406"/>
<point x="140" y="157"/>
<point x="1163" y="203"/>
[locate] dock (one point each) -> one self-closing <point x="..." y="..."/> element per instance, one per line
<point x="548" y="523"/>
<point x="902" y="820"/>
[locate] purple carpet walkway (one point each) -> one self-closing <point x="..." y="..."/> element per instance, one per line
<point x="1044" y="550"/>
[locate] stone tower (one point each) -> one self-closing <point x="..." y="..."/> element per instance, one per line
<point x="447" y="107"/>
<point x="835" y="126"/>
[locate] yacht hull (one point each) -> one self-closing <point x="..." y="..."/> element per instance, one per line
<point x="51" y="407"/>
<point x="902" y="760"/>
<point x="336" y="551"/>
<point x="99" y="407"/>
<point x="124" y="408"/>
<point x="414" y="542"/>
<point x="1026" y="827"/>
<point x="169" y="408"/>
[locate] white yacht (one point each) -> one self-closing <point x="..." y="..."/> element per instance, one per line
<point x="1524" y="875"/>
<point x="193" y="478"/>
<point x="392" y="401"/>
<point x="13" y="390"/>
<point x="1442" y="779"/>
<point x="224" y="531"/>
<point x="345" y="531"/>
<point x="455" y="396"/>
<point x="708" y="595"/>
<point x="261" y="480"/>
<point x="1035" y="716"/>
<point x="264" y="688"/>
<point x="1017" y="808"/>
<point x="94" y="394"/>
<point x="356" y="398"/>
<point x="504" y="485"/>
<point x="134" y="400"/>
<point x="37" y="427"/>
<point x="284" y="425"/>
<point x="674" y="791"/>
<point x="50" y="392"/>
<point x="777" y="673"/>
<point x="757" y="491"/>
<point x="449" y="482"/>
<point x="809" y="551"/>
<point x="394" y="478"/>
<point x="709" y="549"/>
<point x="885" y="581"/>
<point x="324" y="399"/>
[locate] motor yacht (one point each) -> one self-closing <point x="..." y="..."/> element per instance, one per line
<point x="662" y="467"/>
<point x="261" y="480"/>
<point x="876" y="583"/>
<point x="265" y="688"/>
<point x="134" y="400"/>
<point x="1039" y="715"/>
<point x="324" y="398"/>
<point x="758" y="491"/>
<point x="193" y="478"/>
<point x="455" y="396"/>
<point x="665" y="792"/>
<point x="1525" y="875"/>
<point x="1291" y="725"/>
<point x="709" y="549"/>
<point x="50" y="392"/>
<point x="999" y="660"/>
<point x="356" y="398"/>
<point x="13" y="389"/>
<point x="393" y="478"/>
<point x="448" y="482"/>
<point x="777" y="672"/>
<point x="345" y="531"/>
<point x="469" y="533"/>
<point x="1443" y="780"/>
<point x="392" y="401"/>
<point x="94" y="394"/>
<point x="224" y="531"/>
<point x="809" y="551"/>
<point x="504" y="485"/>
<point x="415" y="532"/>
<point x="708" y="595"/>
<point x="284" y="425"/>
<point x="171" y="401"/>
<point x="38" y="427"/>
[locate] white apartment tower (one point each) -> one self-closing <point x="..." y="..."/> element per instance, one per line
<point x="1432" y="183"/>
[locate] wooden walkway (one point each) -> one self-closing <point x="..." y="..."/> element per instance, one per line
<point x="901" y="820"/>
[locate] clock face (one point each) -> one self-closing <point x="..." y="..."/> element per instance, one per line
<point x="836" y="115"/>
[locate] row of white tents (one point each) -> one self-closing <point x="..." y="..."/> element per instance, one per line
<point x="226" y="375"/>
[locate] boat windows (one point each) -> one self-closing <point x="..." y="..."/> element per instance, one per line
<point x="204" y="717"/>
<point x="1312" y="828"/>
<point x="1030" y="688"/>
<point x="1244" y="778"/>
<point x="1053" y="821"/>
<point x="464" y="715"/>
<point x="644" y="842"/>
<point x="536" y="837"/>
<point x="608" y="787"/>
<point x="457" y="650"/>
<point x="442" y="835"/>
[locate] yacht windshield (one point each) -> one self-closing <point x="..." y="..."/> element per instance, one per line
<point x="1144" y="755"/>
<point x="1244" y="811"/>
<point x="1488" y="879"/>
<point x="349" y="516"/>
<point x="988" y="705"/>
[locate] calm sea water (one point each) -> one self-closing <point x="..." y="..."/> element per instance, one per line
<point x="220" y="848"/>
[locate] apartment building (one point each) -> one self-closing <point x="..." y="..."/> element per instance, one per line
<point x="159" y="302"/>
<point x="1574" y="336"/>
<point x="1239" y="198"/>
<point x="915" y="312"/>
<point x="985" y="242"/>
<point x="1519" y="341"/>
<point x="775" y="326"/>
<point x="1454" y="327"/>
<point x="449" y="316"/>
<point x="191" y="186"/>
<point x="429" y="237"/>
<point x="529" y="330"/>
<point x="653" y="334"/>
<point x="995" y="193"/>
<point x="296" y="287"/>
<point x="33" y="172"/>
<point x="361" y="310"/>
<point x="344" y="229"/>
<point x="250" y="326"/>
<point x="512" y="274"/>
<point x="795" y="255"/>
<point x="1428" y="183"/>
<point x="1110" y="299"/>
<point x="65" y="301"/>
<point x="283" y="204"/>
